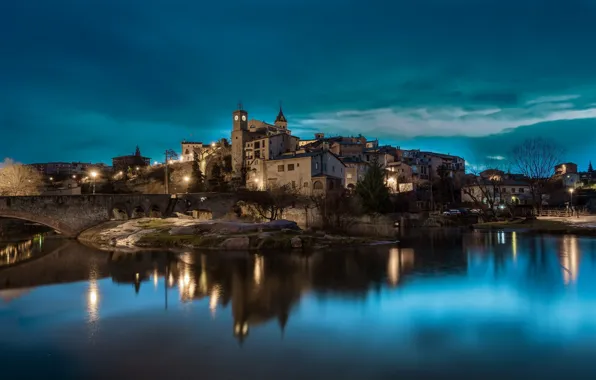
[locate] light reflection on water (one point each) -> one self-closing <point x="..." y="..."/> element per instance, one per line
<point x="470" y="298"/>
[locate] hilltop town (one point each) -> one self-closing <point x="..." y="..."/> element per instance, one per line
<point x="261" y="156"/>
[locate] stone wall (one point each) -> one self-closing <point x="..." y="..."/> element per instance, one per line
<point x="366" y="225"/>
<point x="70" y="215"/>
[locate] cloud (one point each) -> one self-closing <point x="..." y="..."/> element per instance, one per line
<point x="398" y="123"/>
<point x="553" y="99"/>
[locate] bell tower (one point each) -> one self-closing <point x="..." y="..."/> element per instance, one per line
<point x="239" y="137"/>
<point x="280" y="120"/>
<point x="240" y="119"/>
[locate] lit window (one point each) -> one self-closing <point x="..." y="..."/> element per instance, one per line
<point x="349" y="175"/>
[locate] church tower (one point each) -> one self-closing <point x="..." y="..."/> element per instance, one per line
<point x="239" y="137"/>
<point x="280" y="120"/>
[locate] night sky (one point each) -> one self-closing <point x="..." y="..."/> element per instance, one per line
<point x="90" y="79"/>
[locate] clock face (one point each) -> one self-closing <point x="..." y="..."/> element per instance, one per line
<point x="236" y="117"/>
<point x="243" y="117"/>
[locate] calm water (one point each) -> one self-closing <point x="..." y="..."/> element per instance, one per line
<point x="468" y="305"/>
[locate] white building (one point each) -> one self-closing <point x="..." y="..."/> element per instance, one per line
<point x="306" y="172"/>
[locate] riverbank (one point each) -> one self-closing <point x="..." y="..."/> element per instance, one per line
<point x="148" y="233"/>
<point x="574" y="226"/>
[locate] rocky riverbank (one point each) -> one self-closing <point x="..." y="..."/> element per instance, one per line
<point x="213" y="234"/>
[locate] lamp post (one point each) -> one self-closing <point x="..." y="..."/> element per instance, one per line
<point x="93" y="175"/>
<point x="571" y="199"/>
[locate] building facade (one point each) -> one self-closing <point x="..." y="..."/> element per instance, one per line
<point x="122" y="163"/>
<point x="306" y="172"/>
<point x="254" y="141"/>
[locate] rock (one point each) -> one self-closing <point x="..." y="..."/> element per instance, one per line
<point x="183" y="216"/>
<point x="236" y="243"/>
<point x="296" y="242"/>
<point x="265" y="235"/>
<point x="281" y="224"/>
<point x="183" y="230"/>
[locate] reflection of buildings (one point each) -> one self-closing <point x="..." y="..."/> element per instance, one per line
<point x="400" y="260"/>
<point x="15" y="252"/>
<point x="569" y="256"/>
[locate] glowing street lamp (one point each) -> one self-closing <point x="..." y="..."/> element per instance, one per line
<point x="213" y="145"/>
<point x="94" y="175"/>
<point x="74" y="176"/>
<point x="571" y="197"/>
<point x="187" y="180"/>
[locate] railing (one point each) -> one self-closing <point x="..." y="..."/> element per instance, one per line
<point x="560" y="212"/>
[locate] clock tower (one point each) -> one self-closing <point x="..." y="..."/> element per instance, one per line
<point x="239" y="137"/>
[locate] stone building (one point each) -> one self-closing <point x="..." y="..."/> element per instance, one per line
<point x="425" y="165"/>
<point x="254" y="141"/>
<point x="122" y="163"/>
<point x="307" y="172"/>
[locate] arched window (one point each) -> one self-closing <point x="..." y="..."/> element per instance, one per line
<point x="317" y="185"/>
<point x="187" y="151"/>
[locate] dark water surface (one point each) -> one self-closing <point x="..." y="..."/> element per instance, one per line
<point x="471" y="305"/>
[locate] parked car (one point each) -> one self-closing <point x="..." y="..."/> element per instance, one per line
<point x="453" y="212"/>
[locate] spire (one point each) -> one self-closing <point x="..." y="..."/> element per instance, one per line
<point x="138" y="152"/>
<point x="240" y="105"/>
<point x="280" y="116"/>
<point x="590" y="169"/>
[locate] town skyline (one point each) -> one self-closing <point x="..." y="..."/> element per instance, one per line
<point x="412" y="75"/>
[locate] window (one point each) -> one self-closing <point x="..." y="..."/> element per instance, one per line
<point x="504" y="190"/>
<point x="187" y="151"/>
<point x="280" y="168"/>
<point x="298" y="165"/>
<point x="258" y="145"/>
<point x="257" y="154"/>
<point x="349" y="175"/>
<point x="305" y="184"/>
<point x="318" y="185"/>
<point x="513" y="189"/>
<point x="521" y="189"/>
<point x="293" y="184"/>
<point x="316" y="165"/>
<point x="290" y="167"/>
<point x="333" y="168"/>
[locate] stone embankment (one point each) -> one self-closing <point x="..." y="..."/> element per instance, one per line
<point x="216" y="235"/>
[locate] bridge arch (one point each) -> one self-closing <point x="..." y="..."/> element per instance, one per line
<point x="47" y="221"/>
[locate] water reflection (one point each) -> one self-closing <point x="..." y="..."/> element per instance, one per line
<point x="260" y="289"/>
<point x="11" y="253"/>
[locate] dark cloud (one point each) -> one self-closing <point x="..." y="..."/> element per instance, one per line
<point x="91" y="79"/>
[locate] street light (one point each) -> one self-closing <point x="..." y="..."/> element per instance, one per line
<point x="213" y="145"/>
<point x="74" y="176"/>
<point x="94" y="175"/>
<point x="187" y="180"/>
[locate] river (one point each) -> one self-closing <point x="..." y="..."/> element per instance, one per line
<point x="465" y="305"/>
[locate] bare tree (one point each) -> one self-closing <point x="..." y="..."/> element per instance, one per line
<point x="485" y="184"/>
<point x="18" y="179"/>
<point x="536" y="158"/>
<point x="272" y="203"/>
<point x="337" y="209"/>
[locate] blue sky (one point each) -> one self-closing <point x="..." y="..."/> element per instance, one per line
<point x="88" y="80"/>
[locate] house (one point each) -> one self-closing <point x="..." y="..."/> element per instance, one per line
<point x="425" y="165"/>
<point x="565" y="168"/>
<point x="307" y="172"/>
<point x="499" y="191"/>
<point x="355" y="170"/>
<point x="399" y="177"/>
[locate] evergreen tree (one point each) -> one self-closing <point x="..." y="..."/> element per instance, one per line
<point x="197" y="177"/>
<point x="216" y="180"/>
<point x="590" y="169"/>
<point x="373" y="191"/>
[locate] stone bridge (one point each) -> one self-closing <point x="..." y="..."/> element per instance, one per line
<point x="72" y="214"/>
